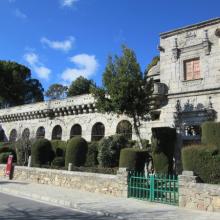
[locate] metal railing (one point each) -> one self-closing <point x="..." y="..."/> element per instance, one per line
<point x="153" y="187"/>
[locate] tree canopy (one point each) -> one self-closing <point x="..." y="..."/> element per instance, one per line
<point x="56" y="91"/>
<point x="125" y="89"/>
<point x="17" y="86"/>
<point x="80" y="86"/>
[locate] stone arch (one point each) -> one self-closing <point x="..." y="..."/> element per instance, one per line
<point x="40" y="132"/>
<point x="26" y="133"/>
<point x="98" y="131"/>
<point x="13" y="135"/>
<point x="76" y="131"/>
<point x="57" y="133"/>
<point x="124" y="128"/>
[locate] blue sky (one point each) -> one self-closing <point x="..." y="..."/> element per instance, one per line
<point x="62" y="39"/>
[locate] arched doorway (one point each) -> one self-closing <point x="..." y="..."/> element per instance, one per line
<point x="2" y="135"/>
<point x="76" y="131"/>
<point x="124" y="128"/>
<point x="26" y="134"/>
<point x="40" y="132"/>
<point x="98" y="131"/>
<point x="13" y="135"/>
<point x="57" y="133"/>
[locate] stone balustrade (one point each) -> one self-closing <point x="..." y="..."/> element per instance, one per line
<point x="55" y="108"/>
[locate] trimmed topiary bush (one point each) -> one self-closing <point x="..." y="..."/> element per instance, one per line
<point x="161" y="162"/>
<point x="204" y="161"/>
<point x="4" y="157"/>
<point x="133" y="158"/>
<point x="59" y="147"/>
<point x="76" y="151"/>
<point x="92" y="154"/>
<point x="58" y="162"/>
<point x="41" y="152"/>
<point x="211" y="133"/>
<point x="109" y="150"/>
<point x="163" y="147"/>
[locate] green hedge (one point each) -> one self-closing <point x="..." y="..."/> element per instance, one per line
<point x="211" y="133"/>
<point x="204" y="161"/>
<point x="58" y="162"/>
<point x="103" y="170"/>
<point x="4" y="157"/>
<point x="109" y="150"/>
<point x="163" y="147"/>
<point x="133" y="158"/>
<point x="41" y="152"/>
<point x="92" y="154"/>
<point x="9" y="148"/>
<point x="59" y="147"/>
<point x="161" y="163"/>
<point x="76" y="151"/>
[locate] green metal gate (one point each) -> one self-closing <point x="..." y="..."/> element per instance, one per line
<point x="153" y="187"/>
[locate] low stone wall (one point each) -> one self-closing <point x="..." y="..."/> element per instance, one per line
<point x="115" y="185"/>
<point x="196" y="195"/>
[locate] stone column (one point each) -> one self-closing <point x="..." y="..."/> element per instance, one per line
<point x="122" y="175"/>
<point x="185" y="183"/>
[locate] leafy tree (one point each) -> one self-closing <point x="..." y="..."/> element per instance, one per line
<point x="125" y="90"/>
<point x="80" y="86"/>
<point x="56" y="91"/>
<point x="17" y="86"/>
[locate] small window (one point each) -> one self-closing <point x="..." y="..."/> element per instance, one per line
<point x="155" y="115"/>
<point x="192" y="69"/>
<point x="98" y="131"/>
<point x="57" y="133"/>
<point x="40" y="133"/>
<point x="76" y="131"/>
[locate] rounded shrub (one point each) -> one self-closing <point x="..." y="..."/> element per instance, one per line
<point x="133" y="159"/>
<point x="211" y="133"/>
<point x="4" y="157"/>
<point x="8" y="148"/>
<point x="58" y="162"/>
<point x="76" y="152"/>
<point x="109" y="150"/>
<point x="41" y="152"/>
<point x="92" y="154"/>
<point x="204" y="161"/>
<point x="59" y="147"/>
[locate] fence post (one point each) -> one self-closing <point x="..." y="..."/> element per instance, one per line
<point x="151" y="187"/>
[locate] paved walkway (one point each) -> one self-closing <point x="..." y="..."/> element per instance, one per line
<point x="118" y="208"/>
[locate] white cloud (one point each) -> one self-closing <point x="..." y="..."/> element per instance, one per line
<point x="33" y="60"/>
<point x="18" y="13"/>
<point x="86" y="65"/>
<point x="65" y="45"/>
<point x="68" y="3"/>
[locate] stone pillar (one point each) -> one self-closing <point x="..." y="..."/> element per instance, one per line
<point x="185" y="180"/>
<point x="122" y="175"/>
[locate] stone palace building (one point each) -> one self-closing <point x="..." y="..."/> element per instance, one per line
<point x="186" y="88"/>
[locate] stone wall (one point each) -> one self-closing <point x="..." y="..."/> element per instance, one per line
<point x="196" y="195"/>
<point x="115" y="185"/>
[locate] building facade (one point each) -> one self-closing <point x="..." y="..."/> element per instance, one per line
<point x="186" y="91"/>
